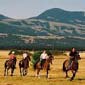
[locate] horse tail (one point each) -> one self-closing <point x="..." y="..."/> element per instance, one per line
<point x="19" y="64"/>
<point x="77" y="66"/>
<point x="34" y="66"/>
<point x="64" y="68"/>
<point x="5" y="64"/>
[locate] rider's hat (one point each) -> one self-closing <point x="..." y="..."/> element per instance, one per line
<point x="13" y="52"/>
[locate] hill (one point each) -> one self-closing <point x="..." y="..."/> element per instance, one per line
<point x="54" y="28"/>
<point x="2" y="17"/>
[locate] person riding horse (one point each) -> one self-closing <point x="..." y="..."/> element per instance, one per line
<point x="24" y="64"/>
<point x="25" y="58"/>
<point x="12" y="58"/>
<point x="43" y="58"/>
<point x="71" y="64"/>
<point x="10" y="64"/>
<point x="74" y="55"/>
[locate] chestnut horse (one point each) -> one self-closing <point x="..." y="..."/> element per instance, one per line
<point x="45" y="66"/>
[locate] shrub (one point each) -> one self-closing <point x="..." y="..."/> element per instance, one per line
<point x="36" y="57"/>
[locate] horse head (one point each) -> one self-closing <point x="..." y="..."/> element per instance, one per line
<point x="28" y="58"/>
<point x="78" y="57"/>
<point x="51" y="57"/>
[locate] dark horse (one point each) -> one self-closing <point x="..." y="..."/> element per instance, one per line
<point x="23" y="66"/>
<point x="9" y="64"/>
<point x="73" y="68"/>
<point x="45" y="66"/>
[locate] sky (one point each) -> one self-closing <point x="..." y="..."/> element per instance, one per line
<point x="21" y="9"/>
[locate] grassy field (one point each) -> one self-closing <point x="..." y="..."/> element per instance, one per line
<point x="56" y="75"/>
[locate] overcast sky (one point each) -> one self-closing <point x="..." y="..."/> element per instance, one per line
<point x="20" y="9"/>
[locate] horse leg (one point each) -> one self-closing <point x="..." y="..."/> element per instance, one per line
<point x="74" y="73"/>
<point x="47" y="73"/>
<point x="26" y="71"/>
<point x="47" y="70"/>
<point x="5" y="71"/>
<point x="38" y="70"/>
<point x="12" y="71"/>
<point x="20" y="71"/>
<point x="23" y="71"/>
<point x="66" y="74"/>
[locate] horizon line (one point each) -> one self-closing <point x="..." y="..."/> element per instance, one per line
<point x="19" y="18"/>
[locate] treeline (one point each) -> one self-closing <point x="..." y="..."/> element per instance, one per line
<point x="37" y="47"/>
<point x="15" y="42"/>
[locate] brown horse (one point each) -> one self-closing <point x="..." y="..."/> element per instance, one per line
<point x="23" y="66"/>
<point x="9" y="64"/>
<point x="74" y="68"/>
<point x="45" y="66"/>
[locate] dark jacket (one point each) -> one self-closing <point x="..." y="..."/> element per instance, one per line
<point x="73" y="55"/>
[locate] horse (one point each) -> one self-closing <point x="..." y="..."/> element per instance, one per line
<point x="73" y="68"/>
<point x="23" y="66"/>
<point x="45" y="66"/>
<point x="9" y="64"/>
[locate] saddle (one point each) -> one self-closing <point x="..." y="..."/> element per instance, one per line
<point x="24" y="63"/>
<point x="11" y="63"/>
<point x="72" y="65"/>
<point x="42" y="63"/>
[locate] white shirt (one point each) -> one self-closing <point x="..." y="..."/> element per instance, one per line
<point x="24" y="55"/>
<point x="43" y="56"/>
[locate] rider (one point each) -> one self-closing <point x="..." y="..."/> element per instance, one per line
<point x="24" y="55"/>
<point x="73" y="57"/>
<point x="12" y="57"/>
<point x="43" y="57"/>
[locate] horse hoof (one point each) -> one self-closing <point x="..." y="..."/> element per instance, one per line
<point x="47" y="77"/>
<point x="23" y="74"/>
<point x="71" y="79"/>
<point x="11" y="75"/>
<point x="4" y="74"/>
<point x="67" y="77"/>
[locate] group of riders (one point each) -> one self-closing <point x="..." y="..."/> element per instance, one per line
<point x="45" y="59"/>
<point x="74" y="56"/>
<point x="13" y="59"/>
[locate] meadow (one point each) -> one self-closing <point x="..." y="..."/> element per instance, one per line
<point x="56" y="75"/>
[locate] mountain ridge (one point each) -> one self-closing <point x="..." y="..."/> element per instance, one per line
<point x="53" y="22"/>
<point x="2" y="17"/>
